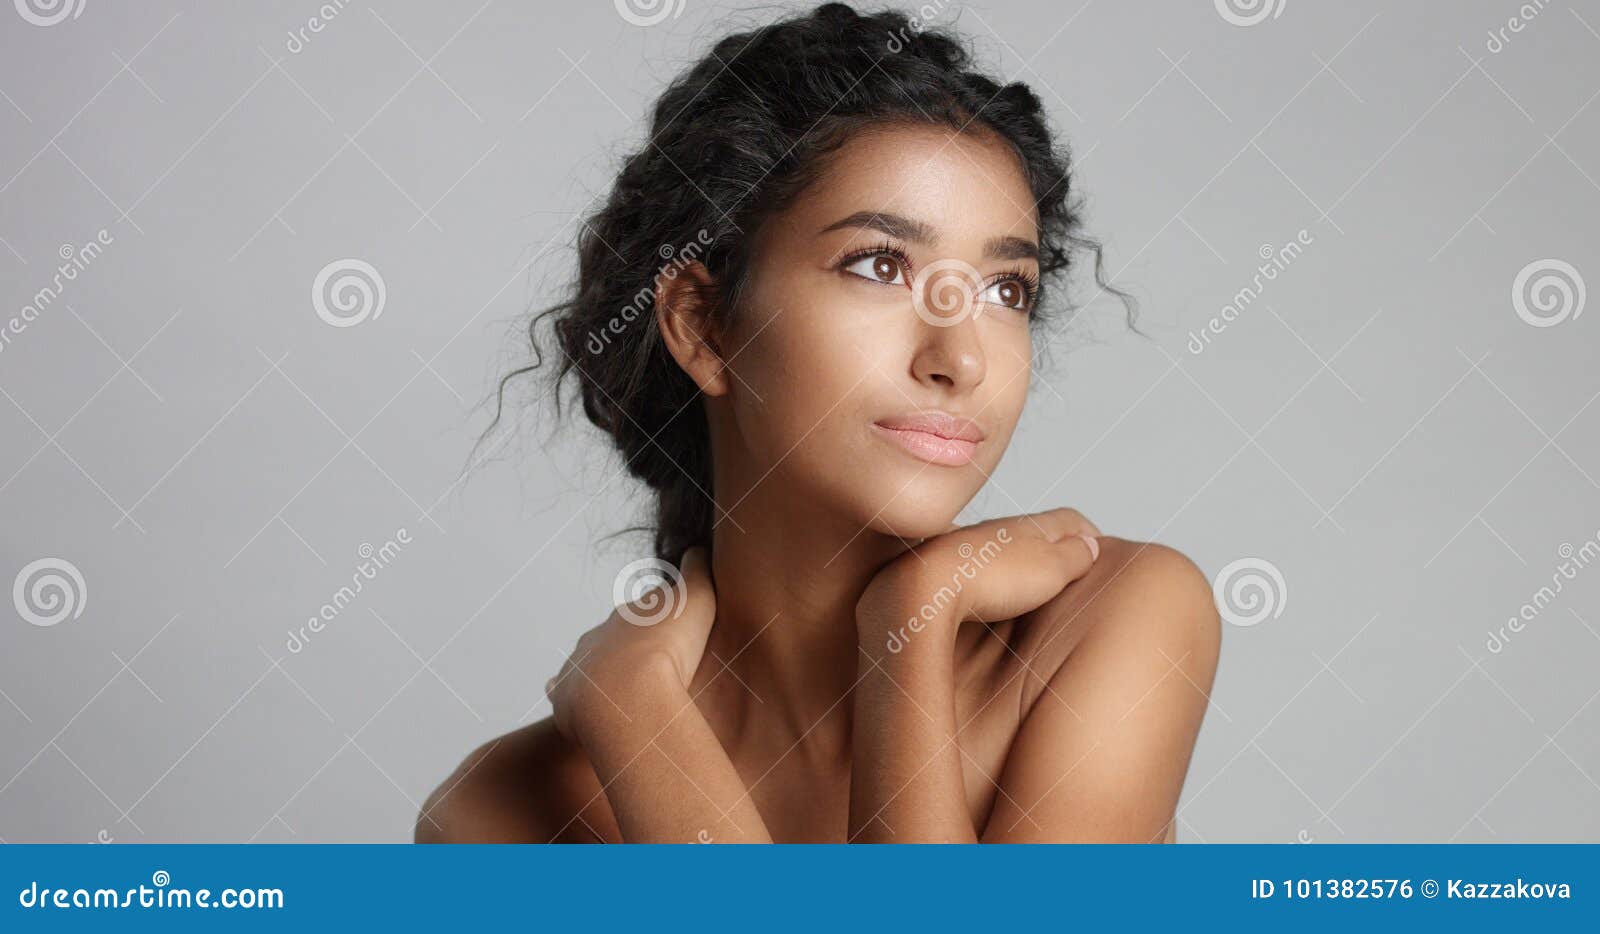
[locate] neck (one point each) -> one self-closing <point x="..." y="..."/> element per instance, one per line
<point x="787" y="583"/>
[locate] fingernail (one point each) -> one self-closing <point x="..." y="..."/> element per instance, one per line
<point x="1094" y="546"/>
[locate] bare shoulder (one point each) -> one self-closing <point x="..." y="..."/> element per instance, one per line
<point x="528" y="786"/>
<point x="1138" y="597"/>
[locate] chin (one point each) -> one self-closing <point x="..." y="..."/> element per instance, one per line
<point x="917" y="508"/>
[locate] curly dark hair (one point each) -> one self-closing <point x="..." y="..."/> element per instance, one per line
<point x="733" y="141"/>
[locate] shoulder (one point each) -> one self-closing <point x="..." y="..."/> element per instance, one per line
<point x="1154" y="580"/>
<point x="1139" y="599"/>
<point x="529" y="786"/>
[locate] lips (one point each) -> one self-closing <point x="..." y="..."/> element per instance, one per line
<point x="936" y="437"/>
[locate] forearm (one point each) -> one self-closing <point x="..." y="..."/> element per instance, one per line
<point x="906" y="785"/>
<point x="665" y="773"/>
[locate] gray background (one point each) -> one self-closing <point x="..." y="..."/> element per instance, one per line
<point x="1380" y="425"/>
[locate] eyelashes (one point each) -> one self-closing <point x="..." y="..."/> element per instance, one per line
<point x="892" y="266"/>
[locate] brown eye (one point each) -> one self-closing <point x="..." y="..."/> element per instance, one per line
<point x="1008" y="293"/>
<point x="878" y="267"/>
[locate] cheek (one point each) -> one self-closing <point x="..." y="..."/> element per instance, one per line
<point x="1010" y="368"/>
<point x="801" y="365"/>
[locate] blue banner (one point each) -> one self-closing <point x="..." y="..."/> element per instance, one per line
<point x="1285" y="887"/>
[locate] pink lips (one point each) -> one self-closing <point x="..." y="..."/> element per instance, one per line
<point x="935" y="437"/>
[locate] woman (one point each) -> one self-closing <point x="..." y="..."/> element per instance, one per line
<point x="825" y="372"/>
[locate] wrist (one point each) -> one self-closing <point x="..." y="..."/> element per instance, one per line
<point x="624" y="694"/>
<point x="903" y="612"/>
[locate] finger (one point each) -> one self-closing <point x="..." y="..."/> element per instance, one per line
<point x="1058" y="524"/>
<point x="1067" y="559"/>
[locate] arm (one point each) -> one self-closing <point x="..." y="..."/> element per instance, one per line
<point x="907" y="785"/>
<point x="624" y="698"/>
<point x="662" y="769"/>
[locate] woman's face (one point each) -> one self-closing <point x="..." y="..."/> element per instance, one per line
<point x="880" y="360"/>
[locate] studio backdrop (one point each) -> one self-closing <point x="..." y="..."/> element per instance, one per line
<point x="262" y="265"/>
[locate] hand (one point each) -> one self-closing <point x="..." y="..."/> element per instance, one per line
<point x="991" y="571"/>
<point x="648" y="646"/>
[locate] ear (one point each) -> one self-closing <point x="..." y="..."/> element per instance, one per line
<point x="685" y="300"/>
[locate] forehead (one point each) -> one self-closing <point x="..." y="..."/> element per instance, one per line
<point x="968" y="185"/>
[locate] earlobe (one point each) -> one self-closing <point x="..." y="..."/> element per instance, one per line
<point x="685" y="302"/>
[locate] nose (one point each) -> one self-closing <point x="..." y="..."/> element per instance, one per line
<point x="949" y="357"/>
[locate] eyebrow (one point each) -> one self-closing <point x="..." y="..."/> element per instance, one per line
<point x="895" y="225"/>
<point x="909" y="228"/>
<point x="1011" y="248"/>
